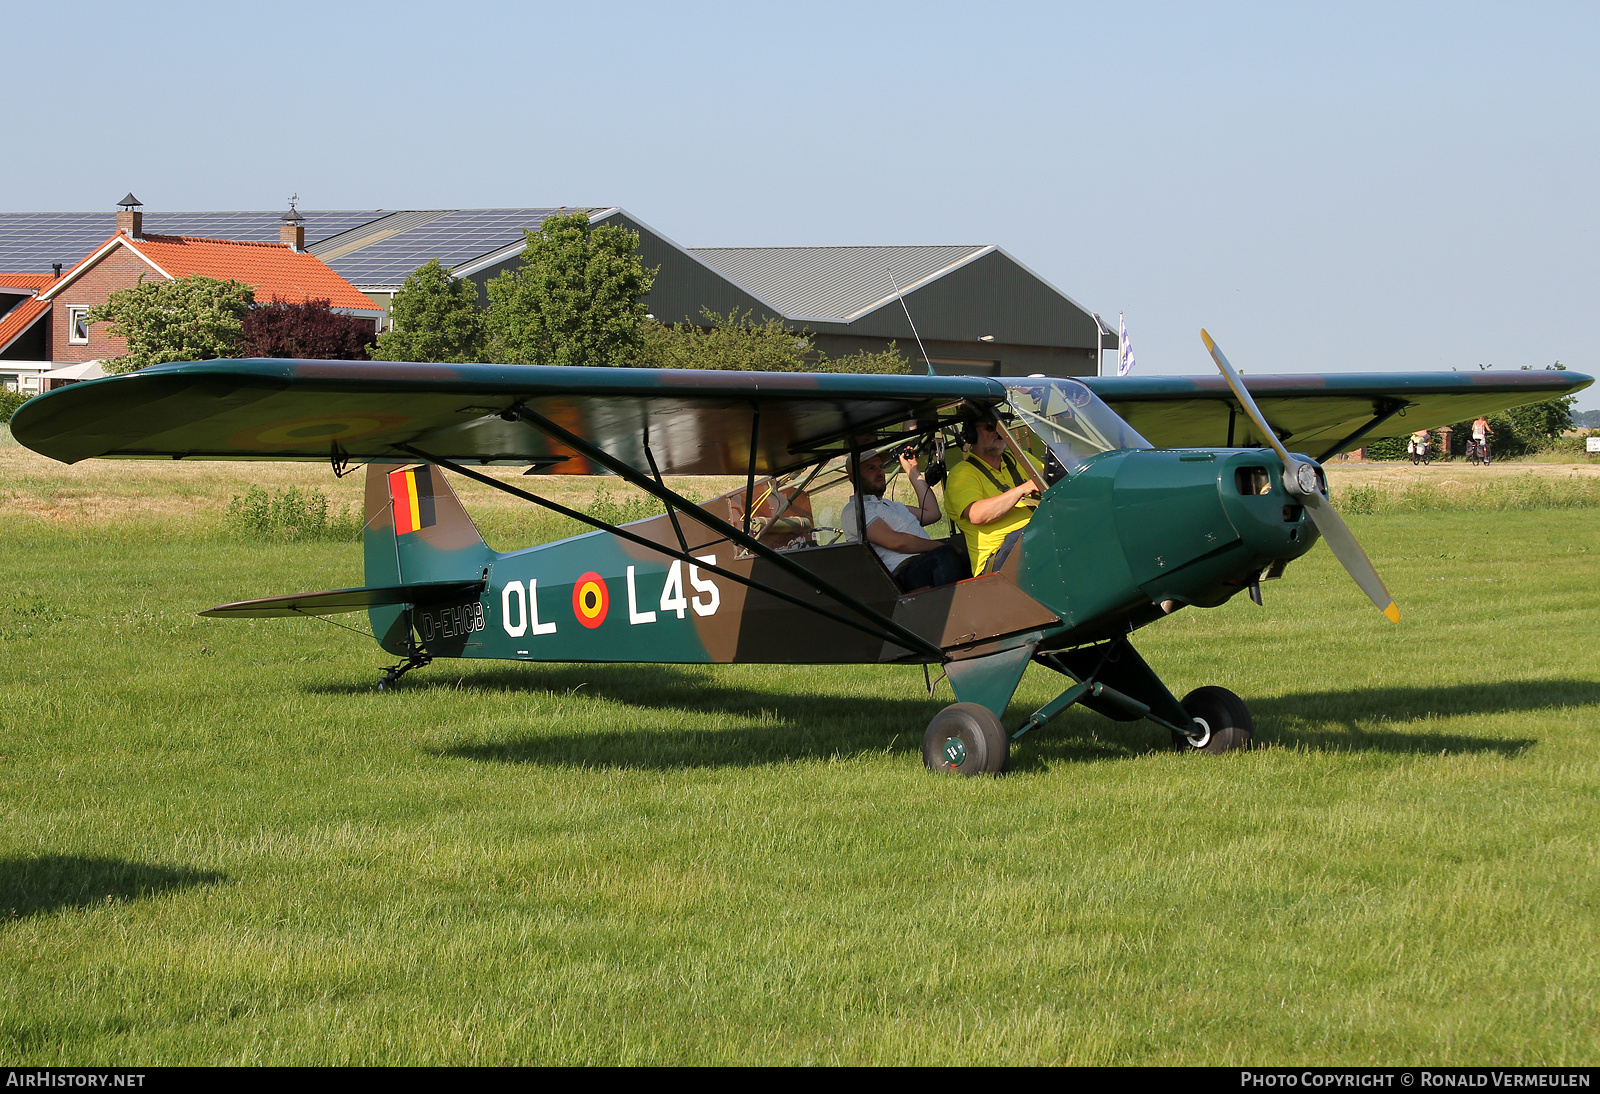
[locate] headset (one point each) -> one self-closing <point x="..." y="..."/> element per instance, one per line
<point x="969" y="426"/>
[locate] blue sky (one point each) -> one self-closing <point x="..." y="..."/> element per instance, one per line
<point x="1352" y="186"/>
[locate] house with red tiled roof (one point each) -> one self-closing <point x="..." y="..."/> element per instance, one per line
<point x="54" y="315"/>
<point x="20" y="309"/>
<point x="23" y="334"/>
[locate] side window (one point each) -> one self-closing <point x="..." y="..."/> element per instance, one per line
<point x="77" y="329"/>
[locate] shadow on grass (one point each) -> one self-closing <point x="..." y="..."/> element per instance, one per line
<point x="36" y="884"/>
<point x="812" y="726"/>
<point x="1340" y="721"/>
<point x="793" y="727"/>
<point x="1354" y="720"/>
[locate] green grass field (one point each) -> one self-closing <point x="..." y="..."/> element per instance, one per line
<point x="221" y="845"/>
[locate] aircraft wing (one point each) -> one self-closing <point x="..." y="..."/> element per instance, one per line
<point x="1320" y="414"/>
<point x="696" y="422"/>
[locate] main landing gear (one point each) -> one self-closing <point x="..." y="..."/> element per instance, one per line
<point x="966" y="739"/>
<point x="1111" y="679"/>
<point x="1223" y="718"/>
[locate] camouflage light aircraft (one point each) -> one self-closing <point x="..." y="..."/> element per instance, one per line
<point x="1156" y="494"/>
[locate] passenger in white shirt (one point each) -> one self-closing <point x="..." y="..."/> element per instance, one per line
<point x="895" y="529"/>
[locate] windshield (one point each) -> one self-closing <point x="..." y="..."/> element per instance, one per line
<point x="1069" y="419"/>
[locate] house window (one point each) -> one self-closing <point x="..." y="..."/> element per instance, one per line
<point x="77" y="329"/>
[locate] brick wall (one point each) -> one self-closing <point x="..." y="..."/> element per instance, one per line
<point x="120" y="269"/>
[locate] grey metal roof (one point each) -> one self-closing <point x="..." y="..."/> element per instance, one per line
<point x="33" y="241"/>
<point x="833" y="284"/>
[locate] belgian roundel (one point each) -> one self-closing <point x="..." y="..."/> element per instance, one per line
<point x="590" y="599"/>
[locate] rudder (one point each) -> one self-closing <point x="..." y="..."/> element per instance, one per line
<point x="416" y="530"/>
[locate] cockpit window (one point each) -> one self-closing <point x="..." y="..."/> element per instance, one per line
<point x="1069" y="419"/>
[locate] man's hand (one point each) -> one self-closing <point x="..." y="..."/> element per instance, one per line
<point x="927" y="509"/>
<point x="988" y="510"/>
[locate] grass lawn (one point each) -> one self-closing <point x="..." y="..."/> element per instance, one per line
<point x="221" y="845"/>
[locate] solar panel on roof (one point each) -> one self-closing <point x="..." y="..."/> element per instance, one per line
<point x="33" y="241"/>
<point x="456" y="238"/>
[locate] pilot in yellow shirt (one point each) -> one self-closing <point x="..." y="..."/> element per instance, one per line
<point x="968" y="486"/>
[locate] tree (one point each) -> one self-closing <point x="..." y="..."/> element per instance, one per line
<point x="738" y="342"/>
<point x="190" y="319"/>
<point x="735" y="341"/>
<point x="9" y="401"/>
<point x="310" y="330"/>
<point x="886" y="360"/>
<point x="436" y="318"/>
<point x="576" y="299"/>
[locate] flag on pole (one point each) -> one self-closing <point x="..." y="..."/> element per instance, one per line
<point x="1124" y="348"/>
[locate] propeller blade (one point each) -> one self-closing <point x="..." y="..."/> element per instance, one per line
<point x="1332" y="526"/>
<point x="1236" y="382"/>
<point x="1342" y="542"/>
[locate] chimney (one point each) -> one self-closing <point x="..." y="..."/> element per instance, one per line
<point x="292" y="232"/>
<point x="56" y="266"/>
<point x="130" y="222"/>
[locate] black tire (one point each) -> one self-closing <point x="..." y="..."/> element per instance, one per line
<point x="966" y="739"/>
<point x="1227" y="719"/>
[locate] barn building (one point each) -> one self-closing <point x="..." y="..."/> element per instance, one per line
<point x="976" y="308"/>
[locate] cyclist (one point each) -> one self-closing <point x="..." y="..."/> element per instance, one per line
<point x="1419" y="446"/>
<point x="1481" y="432"/>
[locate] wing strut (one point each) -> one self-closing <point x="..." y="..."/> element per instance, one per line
<point x="896" y="633"/>
<point x="750" y="476"/>
<point x="892" y="633"/>
<point x="672" y="514"/>
<point x="1382" y="411"/>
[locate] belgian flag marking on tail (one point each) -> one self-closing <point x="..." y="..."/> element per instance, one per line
<point x="412" y="493"/>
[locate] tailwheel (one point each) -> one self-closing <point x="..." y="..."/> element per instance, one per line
<point x="1223" y="719"/>
<point x="966" y="739"/>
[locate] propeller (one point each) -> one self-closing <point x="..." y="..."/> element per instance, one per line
<point x="1302" y="480"/>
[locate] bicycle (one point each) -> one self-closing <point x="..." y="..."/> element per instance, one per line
<point x="1478" y="452"/>
<point x="1421" y="453"/>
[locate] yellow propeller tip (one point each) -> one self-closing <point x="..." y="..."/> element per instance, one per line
<point x="1206" y="338"/>
<point x="1392" y="612"/>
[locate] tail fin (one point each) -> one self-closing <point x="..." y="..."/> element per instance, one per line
<point x="416" y="531"/>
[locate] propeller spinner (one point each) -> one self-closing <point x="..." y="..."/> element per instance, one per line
<point x="1302" y="480"/>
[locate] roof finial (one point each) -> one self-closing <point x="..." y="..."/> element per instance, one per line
<point x="292" y="216"/>
<point x="130" y="202"/>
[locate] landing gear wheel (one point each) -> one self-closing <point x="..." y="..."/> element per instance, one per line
<point x="1224" y="719"/>
<point x="966" y="739"/>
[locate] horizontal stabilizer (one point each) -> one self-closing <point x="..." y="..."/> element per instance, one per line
<point x="338" y="601"/>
